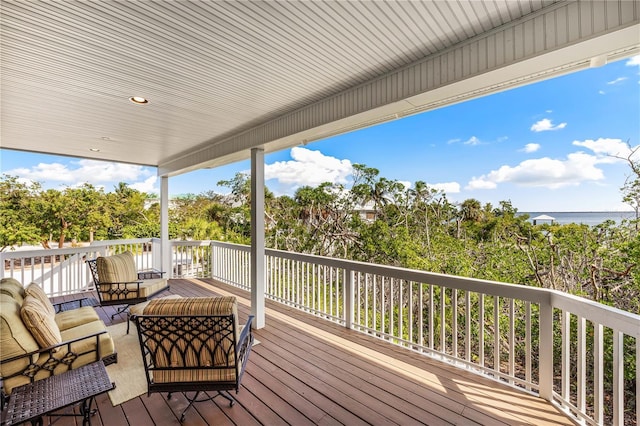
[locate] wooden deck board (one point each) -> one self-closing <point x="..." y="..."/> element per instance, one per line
<point x="310" y="371"/>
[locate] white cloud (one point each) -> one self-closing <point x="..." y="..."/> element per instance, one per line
<point x="606" y="147"/>
<point x="98" y="173"/>
<point x="617" y="80"/>
<point x="543" y="172"/>
<point x="472" y="141"/>
<point x="308" y="168"/>
<point x="447" y="187"/>
<point x="480" y="183"/>
<point x="633" y="61"/>
<point x="545" y="125"/>
<point x="148" y="186"/>
<point x="531" y="147"/>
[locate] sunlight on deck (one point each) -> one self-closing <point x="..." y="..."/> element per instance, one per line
<point x="494" y="397"/>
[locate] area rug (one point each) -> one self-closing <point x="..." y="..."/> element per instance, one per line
<point x="128" y="372"/>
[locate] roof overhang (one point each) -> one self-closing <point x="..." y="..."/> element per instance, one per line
<point x="224" y="77"/>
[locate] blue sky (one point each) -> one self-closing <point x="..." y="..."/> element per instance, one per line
<point x="547" y="147"/>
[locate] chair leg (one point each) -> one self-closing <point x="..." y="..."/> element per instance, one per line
<point x="119" y="311"/>
<point x="191" y="401"/>
<point x="227" y="395"/>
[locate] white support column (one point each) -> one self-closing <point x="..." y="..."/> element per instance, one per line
<point x="257" y="237"/>
<point x="165" y="249"/>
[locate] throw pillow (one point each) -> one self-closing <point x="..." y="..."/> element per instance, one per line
<point x="40" y="324"/>
<point x="36" y="291"/>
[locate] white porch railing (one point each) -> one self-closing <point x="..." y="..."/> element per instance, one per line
<point x="191" y="259"/>
<point x="64" y="271"/>
<point x="574" y="352"/>
<point x="566" y="349"/>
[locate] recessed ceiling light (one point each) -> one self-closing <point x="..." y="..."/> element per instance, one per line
<point x="94" y="150"/>
<point x="139" y="100"/>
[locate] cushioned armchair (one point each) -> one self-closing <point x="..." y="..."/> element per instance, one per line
<point x="119" y="283"/>
<point x="194" y="344"/>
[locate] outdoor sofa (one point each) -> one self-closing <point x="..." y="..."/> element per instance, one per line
<point x="37" y="341"/>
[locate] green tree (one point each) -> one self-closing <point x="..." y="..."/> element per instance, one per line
<point x="126" y="208"/>
<point x="16" y="221"/>
<point x="631" y="188"/>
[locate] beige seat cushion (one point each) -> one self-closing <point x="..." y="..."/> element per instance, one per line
<point x="105" y="341"/>
<point x="13" y="288"/>
<point x="119" y="268"/>
<point x="76" y="317"/>
<point x="36" y="291"/>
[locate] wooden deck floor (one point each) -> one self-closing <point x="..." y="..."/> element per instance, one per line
<point x="307" y="371"/>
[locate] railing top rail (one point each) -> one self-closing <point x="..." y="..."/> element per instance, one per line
<point x="492" y="288"/>
<point x="608" y="316"/>
<point x="199" y="243"/>
<point x="19" y="254"/>
<point x="122" y="242"/>
<point x="235" y="246"/>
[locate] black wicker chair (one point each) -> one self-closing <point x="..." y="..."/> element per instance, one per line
<point x="118" y="283"/>
<point x="194" y="344"/>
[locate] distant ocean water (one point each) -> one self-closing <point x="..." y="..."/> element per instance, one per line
<point x="587" y="218"/>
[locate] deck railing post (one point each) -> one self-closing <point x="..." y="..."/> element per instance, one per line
<point x="156" y="254"/>
<point x="545" y="352"/>
<point x="349" y="302"/>
<point x="212" y="254"/>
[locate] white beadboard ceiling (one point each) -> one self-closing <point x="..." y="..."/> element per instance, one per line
<point x="215" y="71"/>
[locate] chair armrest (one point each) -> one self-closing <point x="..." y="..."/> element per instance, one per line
<point x="245" y="331"/>
<point x="121" y="283"/>
<point x="243" y="347"/>
<point x="66" y="343"/>
<point x="52" y="362"/>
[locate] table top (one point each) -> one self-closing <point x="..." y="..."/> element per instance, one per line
<point x="148" y="274"/>
<point x="43" y="396"/>
<point x="75" y="304"/>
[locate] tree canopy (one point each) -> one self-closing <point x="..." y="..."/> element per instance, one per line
<point x="374" y="220"/>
